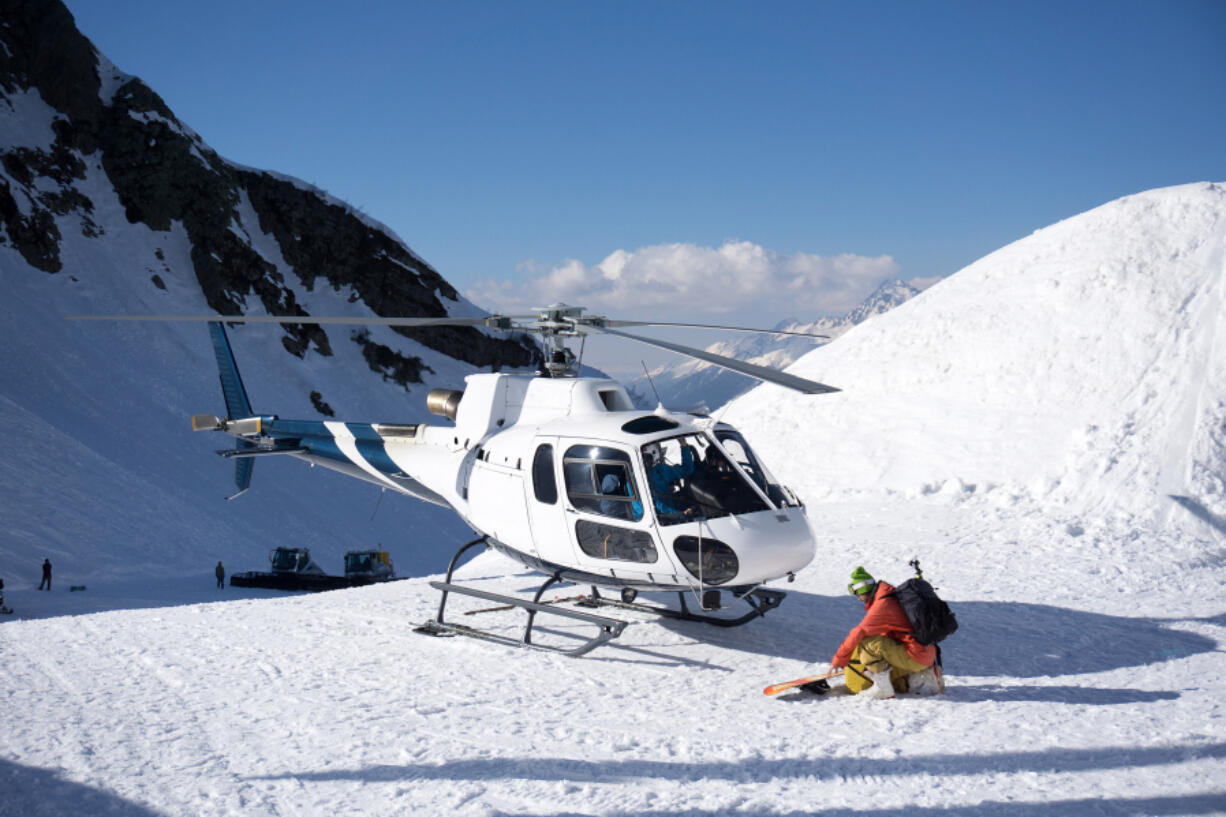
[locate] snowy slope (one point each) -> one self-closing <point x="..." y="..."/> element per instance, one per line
<point x="1084" y="679"/>
<point x="1083" y="367"/>
<point x="101" y="473"/>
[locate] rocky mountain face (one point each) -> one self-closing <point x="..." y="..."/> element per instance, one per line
<point x="165" y="175"/>
<point x="696" y="385"/>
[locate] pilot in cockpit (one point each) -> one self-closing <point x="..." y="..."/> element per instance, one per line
<point x="665" y="481"/>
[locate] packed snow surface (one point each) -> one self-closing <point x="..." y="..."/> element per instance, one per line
<point x="1044" y="430"/>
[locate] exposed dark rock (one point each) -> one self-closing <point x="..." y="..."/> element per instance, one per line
<point x="324" y="241"/>
<point x="388" y="362"/>
<point x="164" y="174"/>
<point x="44" y="50"/>
<point x="35" y="236"/>
<point x="158" y="282"/>
<point x="317" y="400"/>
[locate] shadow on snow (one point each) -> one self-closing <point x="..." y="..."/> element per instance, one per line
<point x="29" y="791"/>
<point x="1213" y="803"/>
<point x="993" y="639"/>
<point x="751" y="770"/>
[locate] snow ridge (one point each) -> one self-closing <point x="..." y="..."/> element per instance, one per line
<point x="1080" y="367"/>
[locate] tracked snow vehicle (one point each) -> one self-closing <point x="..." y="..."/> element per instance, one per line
<point x="294" y="569"/>
<point x="368" y="567"/>
<point x="290" y="569"/>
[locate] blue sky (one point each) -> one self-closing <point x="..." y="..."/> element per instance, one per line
<point x="518" y="146"/>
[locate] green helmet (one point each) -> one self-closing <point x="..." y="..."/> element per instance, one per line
<point x="861" y="582"/>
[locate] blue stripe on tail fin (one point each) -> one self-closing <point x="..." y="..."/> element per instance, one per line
<point x="237" y="405"/>
<point x="231" y="383"/>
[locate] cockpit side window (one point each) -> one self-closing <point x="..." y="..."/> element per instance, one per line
<point x="740" y="451"/>
<point x="599" y="481"/>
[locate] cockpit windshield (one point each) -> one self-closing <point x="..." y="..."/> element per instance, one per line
<point x="690" y="478"/>
<point x="739" y="450"/>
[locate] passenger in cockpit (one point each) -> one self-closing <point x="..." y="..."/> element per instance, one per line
<point x="665" y="481"/>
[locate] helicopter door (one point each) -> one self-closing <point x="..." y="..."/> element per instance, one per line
<point x="604" y="514"/>
<point x="545" y="512"/>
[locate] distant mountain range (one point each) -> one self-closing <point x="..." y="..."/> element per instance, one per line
<point x="697" y="385"/>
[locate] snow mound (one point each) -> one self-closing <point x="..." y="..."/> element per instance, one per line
<point x="1082" y="367"/>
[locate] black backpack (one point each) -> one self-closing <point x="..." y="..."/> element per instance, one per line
<point x="931" y="619"/>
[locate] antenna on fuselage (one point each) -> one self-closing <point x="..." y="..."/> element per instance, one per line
<point x="652" y="383"/>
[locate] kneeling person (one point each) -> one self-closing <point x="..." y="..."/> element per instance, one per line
<point x="881" y="651"/>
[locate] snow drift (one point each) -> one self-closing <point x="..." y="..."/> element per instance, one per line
<point x="1082" y="367"/>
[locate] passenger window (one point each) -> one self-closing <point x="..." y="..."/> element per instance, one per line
<point x="602" y="541"/>
<point x="543" y="481"/>
<point x="599" y="481"/>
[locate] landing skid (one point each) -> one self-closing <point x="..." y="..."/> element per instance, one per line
<point x="608" y="628"/>
<point x="761" y="601"/>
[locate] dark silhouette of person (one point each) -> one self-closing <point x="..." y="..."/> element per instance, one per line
<point x="46" y="575"/>
<point x="220" y="572"/>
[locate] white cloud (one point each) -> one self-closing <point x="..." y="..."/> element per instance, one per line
<point x="680" y="281"/>
<point x="923" y="283"/>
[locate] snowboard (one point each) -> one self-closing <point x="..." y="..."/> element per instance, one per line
<point x="775" y="689"/>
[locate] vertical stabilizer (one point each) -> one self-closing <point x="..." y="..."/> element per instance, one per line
<point x="232" y="389"/>
<point x="237" y="405"/>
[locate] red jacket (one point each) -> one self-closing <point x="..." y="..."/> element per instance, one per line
<point x="884" y="616"/>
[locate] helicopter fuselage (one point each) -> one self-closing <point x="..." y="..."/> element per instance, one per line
<point x="566" y="476"/>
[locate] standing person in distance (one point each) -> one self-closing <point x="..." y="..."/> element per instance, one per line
<point x="46" y="575"/>
<point x="220" y="573"/>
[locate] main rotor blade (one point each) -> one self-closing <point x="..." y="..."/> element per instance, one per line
<point x="373" y="320"/>
<point x="775" y="376"/>
<point x="711" y="326"/>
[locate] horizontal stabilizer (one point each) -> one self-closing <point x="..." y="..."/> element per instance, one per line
<point x="248" y="453"/>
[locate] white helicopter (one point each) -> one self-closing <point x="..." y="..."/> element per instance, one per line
<point x="561" y="473"/>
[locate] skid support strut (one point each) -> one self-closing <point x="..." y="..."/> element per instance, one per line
<point x="761" y="601"/>
<point x="607" y="628"/>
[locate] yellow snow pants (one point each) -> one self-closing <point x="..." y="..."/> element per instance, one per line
<point x="874" y="654"/>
